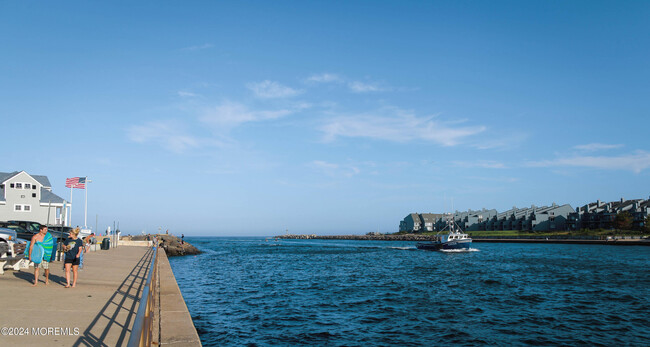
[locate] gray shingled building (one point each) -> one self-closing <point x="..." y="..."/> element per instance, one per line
<point x="30" y="198"/>
<point x="532" y="218"/>
<point x="601" y="215"/>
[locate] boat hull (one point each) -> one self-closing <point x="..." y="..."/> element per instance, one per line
<point x="451" y="245"/>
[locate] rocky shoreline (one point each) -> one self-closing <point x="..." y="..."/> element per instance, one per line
<point x="388" y="237"/>
<point x="171" y="244"/>
<point x="636" y="241"/>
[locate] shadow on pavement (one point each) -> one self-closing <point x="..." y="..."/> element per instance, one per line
<point x="29" y="277"/>
<point x="123" y="303"/>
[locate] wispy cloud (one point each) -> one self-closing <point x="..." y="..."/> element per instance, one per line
<point x="591" y="147"/>
<point x="352" y="85"/>
<point x="271" y="90"/>
<point x="400" y="126"/>
<point x="198" y="47"/>
<point x="230" y="114"/>
<point x="325" y="78"/>
<point x="500" y="139"/>
<point x="333" y="169"/>
<point x="184" y="94"/>
<point x="483" y="164"/>
<point x="494" y="179"/>
<point x="166" y="133"/>
<point x="362" y="87"/>
<point x="636" y="162"/>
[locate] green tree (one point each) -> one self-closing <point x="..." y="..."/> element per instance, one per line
<point x="623" y="221"/>
<point x="646" y="224"/>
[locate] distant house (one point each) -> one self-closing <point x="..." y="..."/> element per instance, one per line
<point x="411" y="223"/>
<point x="29" y="197"/>
<point x="474" y="220"/>
<point x="601" y="215"/>
<point x="429" y="221"/>
<point x="532" y="218"/>
<point x="550" y="218"/>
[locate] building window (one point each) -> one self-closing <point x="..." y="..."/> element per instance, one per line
<point x="22" y="208"/>
<point x="34" y="186"/>
<point x="19" y="186"/>
<point x="33" y="195"/>
<point x="11" y="185"/>
<point x="28" y="186"/>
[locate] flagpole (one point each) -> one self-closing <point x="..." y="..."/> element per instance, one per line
<point x="70" y="220"/>
<point x="86" y="204"/>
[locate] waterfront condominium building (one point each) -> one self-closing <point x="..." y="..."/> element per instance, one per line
<point x="546" y="218"/>
<point x="29" y="198"/>
<point x="602" y="215"/>
<point x="411" y="223"/>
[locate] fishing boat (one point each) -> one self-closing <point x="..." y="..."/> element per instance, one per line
<point x="455" y="239"/>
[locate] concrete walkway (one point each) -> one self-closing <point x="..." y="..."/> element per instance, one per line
<point x="98" y="312"/>
<point x="175" y="326"/>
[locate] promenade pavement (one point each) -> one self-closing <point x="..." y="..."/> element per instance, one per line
<point x="99" y="312"/>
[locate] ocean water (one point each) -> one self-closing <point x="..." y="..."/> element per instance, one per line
<point x="248" y="291"/>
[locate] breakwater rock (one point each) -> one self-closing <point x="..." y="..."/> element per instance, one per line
<point x="173" y="246"/>
<point x="381" y="237"/>
<point x="170" y="243"/>
<point x="628" y="241"/>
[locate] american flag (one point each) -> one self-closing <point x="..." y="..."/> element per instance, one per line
<point x="76" y="182"/>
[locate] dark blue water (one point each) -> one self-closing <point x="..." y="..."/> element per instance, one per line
<point x="245" y="291"/>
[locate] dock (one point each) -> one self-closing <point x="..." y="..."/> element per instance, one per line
<point x="101" y="310"/>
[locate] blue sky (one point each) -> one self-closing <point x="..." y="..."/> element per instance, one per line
<point x="251" y="118"/>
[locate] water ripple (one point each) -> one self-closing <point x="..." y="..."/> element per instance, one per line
<point x="245" y="291"/>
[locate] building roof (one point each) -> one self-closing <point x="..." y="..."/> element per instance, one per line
<point x="430" y="217"/>
<point x="48" y="196"/>
<point x="7" y="175"/>
<point x="43" y="180"/>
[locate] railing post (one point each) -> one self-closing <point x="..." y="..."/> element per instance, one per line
<point x="141" y="333"/>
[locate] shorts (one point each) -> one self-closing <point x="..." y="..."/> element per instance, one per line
<point x="45" y="265"/>
<point x="73" y="261"/>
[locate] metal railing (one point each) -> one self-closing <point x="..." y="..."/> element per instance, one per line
<point x="141" y="334"/>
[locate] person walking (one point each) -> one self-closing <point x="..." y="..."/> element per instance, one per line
<point x="46" y="241"/>
<point x="74" y="247"/>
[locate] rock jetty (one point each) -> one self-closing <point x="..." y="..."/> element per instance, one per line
<point x="380" y="237"/>
<point x="170" y="243"/>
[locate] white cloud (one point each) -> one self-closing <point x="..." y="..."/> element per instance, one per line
<point x="484" y="164"/>
<point x="325" y="78"/>
<point x="271" y="90"/>
<point x="166" y="133"/>
<point x="230" y="114"/>
<point x="184" y="94"/>
<point x="361" y="87"/>
<point x="596" y="147"/>
<point x="636" y="162"/>
<point x="501" y="139"/>
<point x="333" y="169"/>
<point x="199" y="47"/>
<point x="399" y="127"/>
